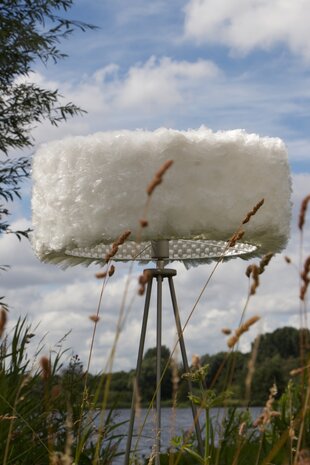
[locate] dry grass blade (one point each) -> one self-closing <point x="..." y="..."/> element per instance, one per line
<point x="3" y="321"/>
<point x="158" y="177"/>
<point x="264" y="419"/>
<point x="119" y="241"/>
<point x="241" y="330"/>
<point x="235" y="238"/>
<point x="143" y="223"/>
<point x="255" y="270"/>
<point x="46" y="368"/>
<point x="305" y="277"/>
<point x="303" y="211"/>
<point x="143" y="280"/>
<point x="265" y="262"/>
<point x="253" y="211"/>
<point x="103" y="274"/>
<point x="298" y="371"/>
<point x="240" y="232"/>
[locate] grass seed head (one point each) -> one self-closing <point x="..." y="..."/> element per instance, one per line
<point x="115" y="246"/>
<point x="101" y="274"/>
<point x="3" y="320"/>
<point x="303" y="211"/>
<point x="297" y="371"/>
<point x="144" y="278"/>
<point x="235" y="238"/>
<point x="265" y="262"/>
<point x="143" y="223"/>
<point x="305" y="276"/>
<point x="158" y="178"/>
<point x="248" y="271"/>
<point x="253" y="211"/>
<point x="255" y="278"/>
<point x="46" y="367"/>
<point x="232" y="341"/>
<point x="111" y="271"/>
<point x="196" y="362"/>
<point x="242" y="428"/>
<point x="268" y="413"/>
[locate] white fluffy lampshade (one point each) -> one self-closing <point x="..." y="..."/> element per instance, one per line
<point x="88" y="189"/>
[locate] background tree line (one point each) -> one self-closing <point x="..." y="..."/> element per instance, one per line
<point x="278" y="354"/>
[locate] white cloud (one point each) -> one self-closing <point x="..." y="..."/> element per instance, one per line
<point x="145" y="87"/>
<point x="245" y="25"/>
<point x="147" y="93"/>
<point x="162" y="83"/>
<point x="182" y="94"/>
<point x="130" y="11"/>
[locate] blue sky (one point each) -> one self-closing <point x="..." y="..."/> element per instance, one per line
<point x="222" y="63"/>
<point x="259" y="82"/>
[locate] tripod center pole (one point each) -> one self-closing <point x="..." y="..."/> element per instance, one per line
<point x="160" y="252"/>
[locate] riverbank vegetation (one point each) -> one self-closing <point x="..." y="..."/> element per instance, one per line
<point x="43" y="407"/>
<point x="278" y="355"/>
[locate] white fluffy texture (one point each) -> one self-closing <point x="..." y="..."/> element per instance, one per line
<point x="88" y="190"/>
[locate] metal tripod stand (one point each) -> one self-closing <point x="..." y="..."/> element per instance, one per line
<point x="160" y="254"/>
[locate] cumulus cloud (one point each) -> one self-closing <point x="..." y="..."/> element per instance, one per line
<point x="145" y="87"/>
<point x="147" y="93"/>
<point x="245" y="25"/>
<point x="182" y="94"/>
<point x="157" y="83"/>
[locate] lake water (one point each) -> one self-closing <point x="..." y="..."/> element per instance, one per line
<point x="173" y="423"/>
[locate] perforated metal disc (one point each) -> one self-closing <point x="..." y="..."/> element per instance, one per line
<point x="198" y="250"/>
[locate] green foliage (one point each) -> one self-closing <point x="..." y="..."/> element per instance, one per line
<point x="30" y="31"/>
<point x="239" y="439"/>
<point x="40" y="409"/>
<point x="270" y="371"/>
<point x="224" y="371"/>
<point x="147" y="385"/>
<point x="120" y="389"/>
<point x="283" y="341"/>
<point x="278" y="353"/>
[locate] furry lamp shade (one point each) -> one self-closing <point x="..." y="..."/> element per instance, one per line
<point x="88" y="189"/>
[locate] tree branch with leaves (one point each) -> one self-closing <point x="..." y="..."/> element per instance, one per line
<point x="30" y="32"/>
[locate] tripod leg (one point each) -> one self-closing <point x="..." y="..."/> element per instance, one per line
<point x="185" y="362"/>
<point x="138" y="370"/>
<point x="158" y="368"/>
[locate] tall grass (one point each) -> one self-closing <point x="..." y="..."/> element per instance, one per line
<point x="40" y="408"/>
